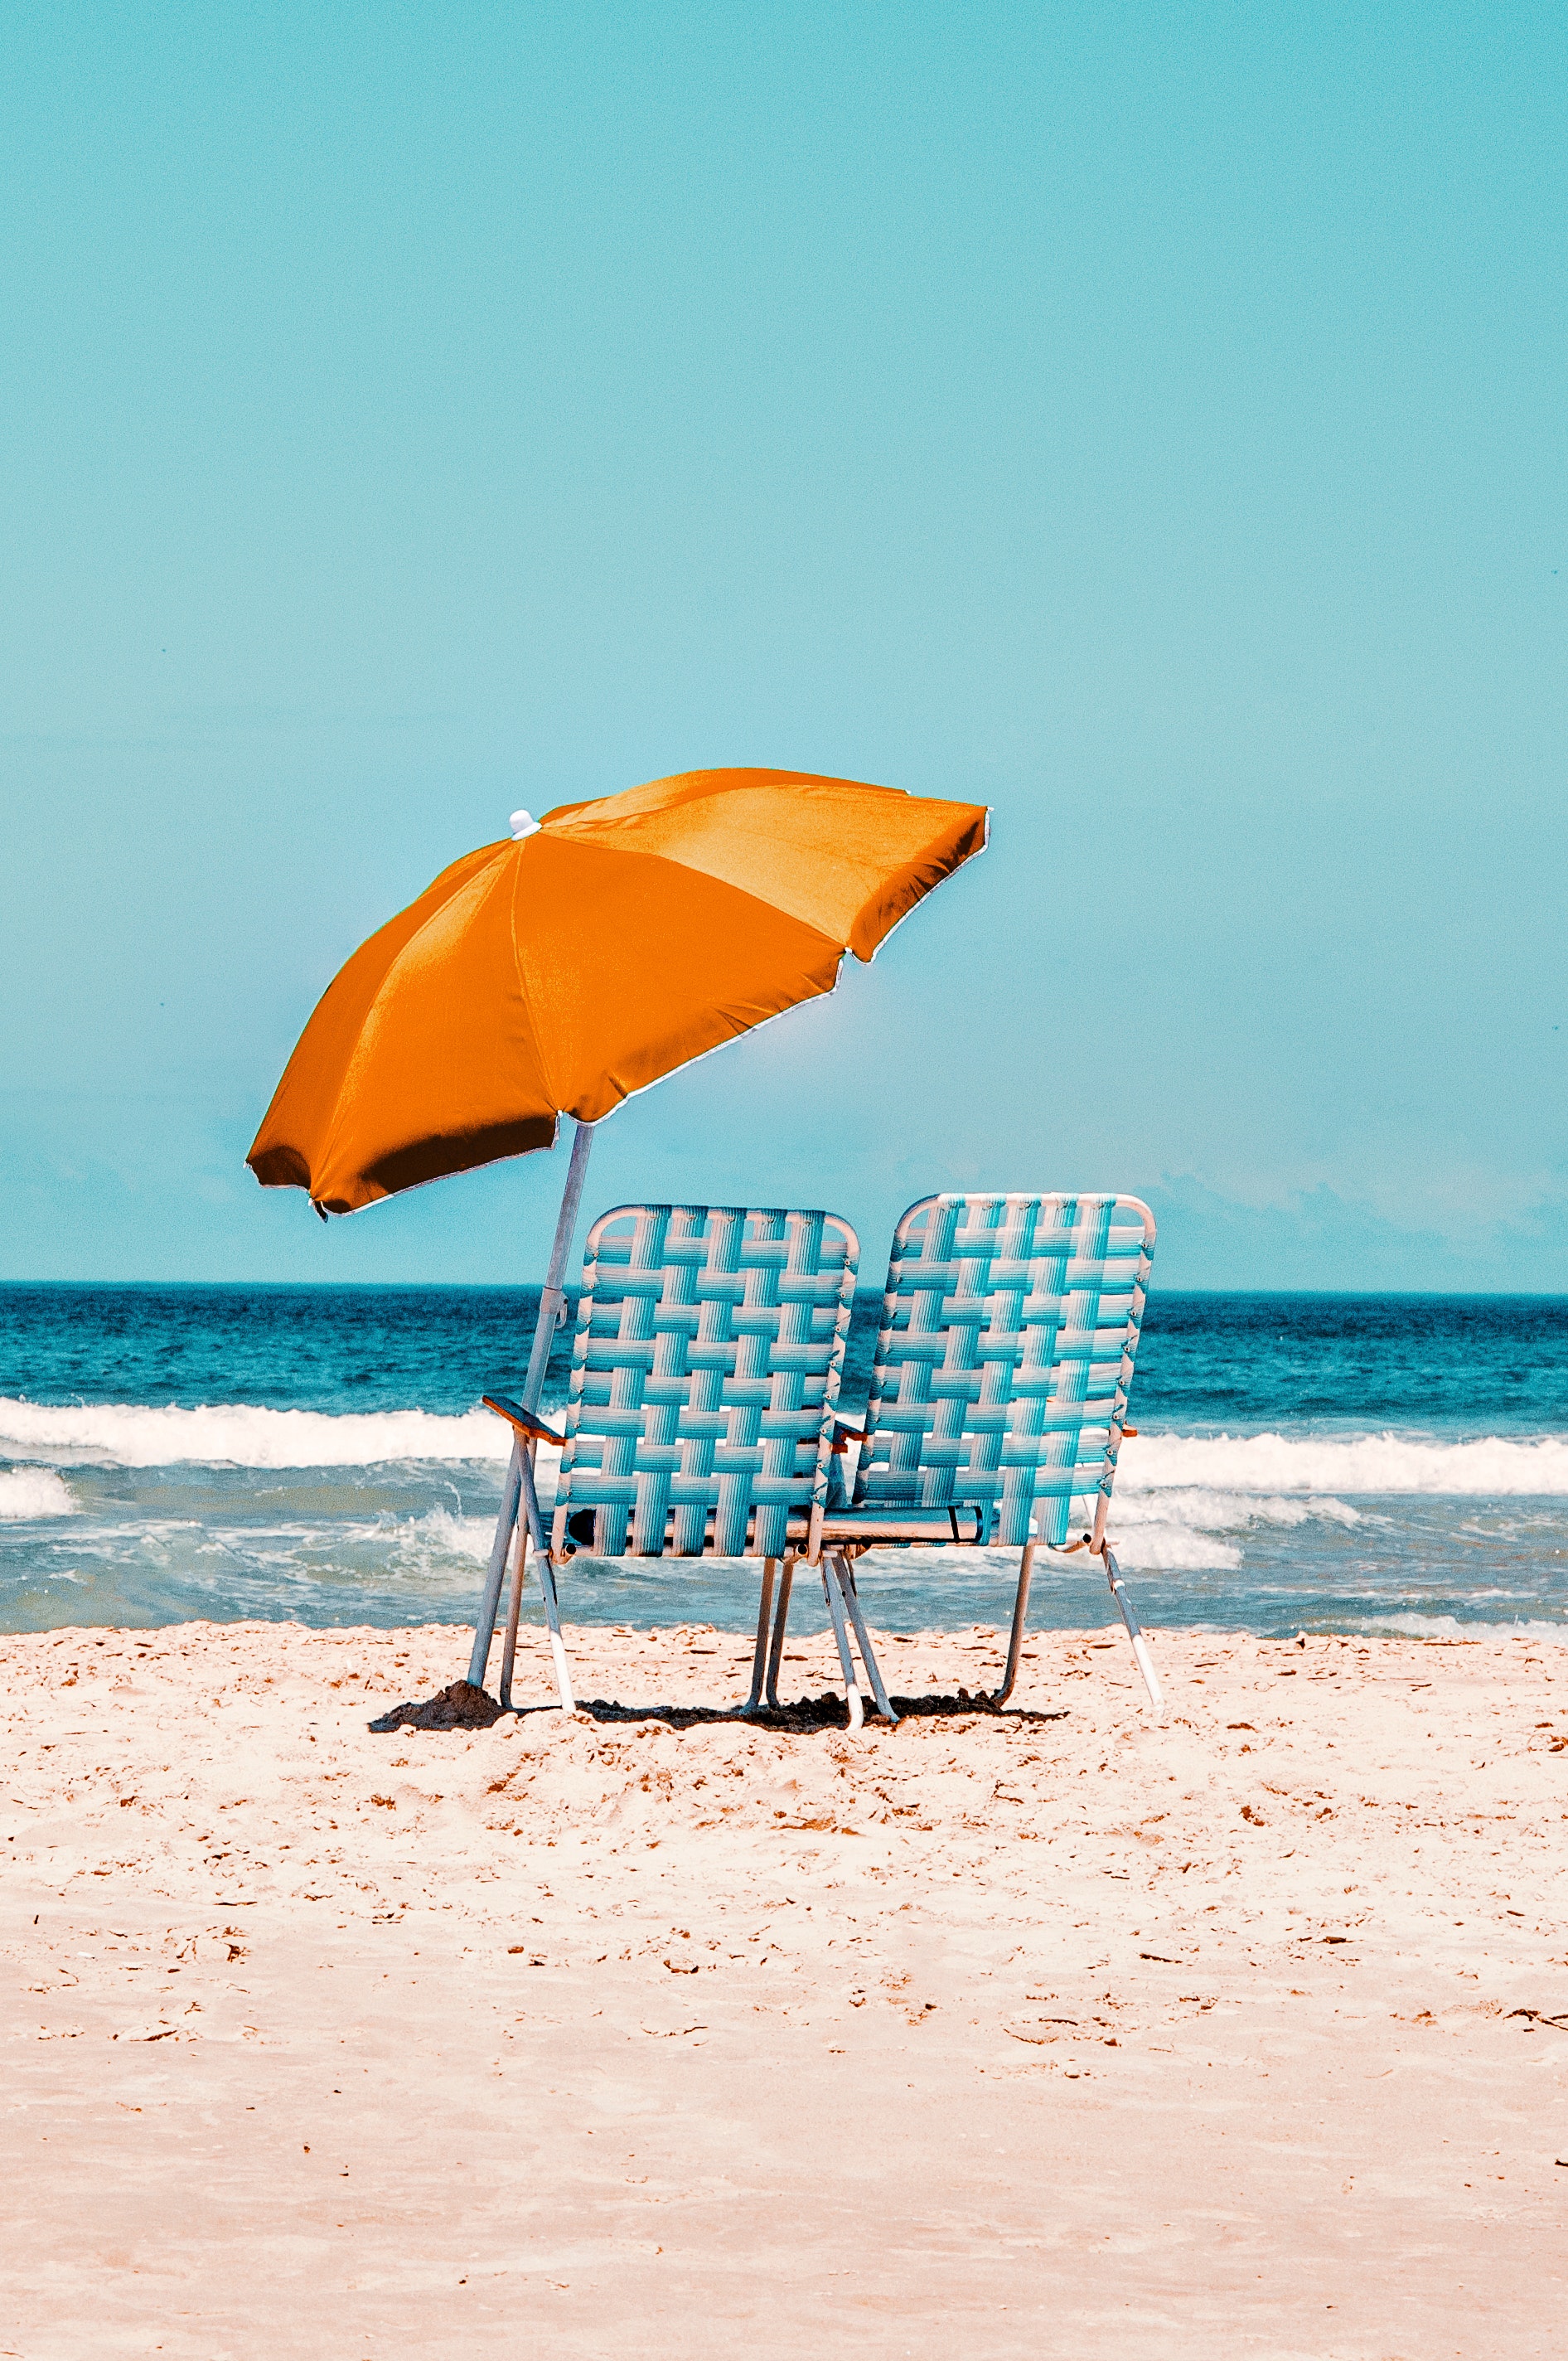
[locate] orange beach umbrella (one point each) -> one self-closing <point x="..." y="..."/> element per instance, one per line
<point x="600" y="949"/>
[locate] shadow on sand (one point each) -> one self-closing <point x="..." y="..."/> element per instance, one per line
<point x="463" y="1706"/>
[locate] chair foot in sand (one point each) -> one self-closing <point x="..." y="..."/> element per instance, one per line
<point x="781" y="1619"/>
<point x="530" y="1531"/>
<point x="844" y="1607"/>
<point x="754" y="1703"/>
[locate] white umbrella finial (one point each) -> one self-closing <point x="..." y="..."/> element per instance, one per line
<point x="522" y="823"/>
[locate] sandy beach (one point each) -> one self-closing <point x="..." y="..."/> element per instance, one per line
<point x="1059" y="2032"/>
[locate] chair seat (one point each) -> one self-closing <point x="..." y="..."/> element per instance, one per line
<point x="891" y="1528"/>
<point x="908" y="1528"/>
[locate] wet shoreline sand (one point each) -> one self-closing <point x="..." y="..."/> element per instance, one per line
<point x="1058" y="2030"/>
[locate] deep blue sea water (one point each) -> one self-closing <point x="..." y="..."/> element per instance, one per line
<point x="1325" y="1462"/>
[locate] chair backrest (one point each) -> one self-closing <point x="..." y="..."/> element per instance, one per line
<point x="705" y="1372"/>
<point x="1008" y="1332"/>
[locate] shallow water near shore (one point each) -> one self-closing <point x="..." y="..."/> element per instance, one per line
<point x="1394" y="1463"/>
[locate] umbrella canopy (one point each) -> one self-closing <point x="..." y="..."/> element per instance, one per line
<point x="596" y="952"/>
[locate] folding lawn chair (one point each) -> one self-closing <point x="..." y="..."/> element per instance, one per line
<point x="999" y="1395"/>
<point x="705" y="1373"/>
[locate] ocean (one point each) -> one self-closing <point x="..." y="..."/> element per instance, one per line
<point x="1304" y="1462"/>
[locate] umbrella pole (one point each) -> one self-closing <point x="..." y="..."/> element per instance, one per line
<point x="552" y="1306"/>
<point x="553" y="1302"/>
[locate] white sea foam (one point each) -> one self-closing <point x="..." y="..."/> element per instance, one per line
<point x="441" y="1534"/>
<point x="239" y="1435"/>
<point x="1180" y="1529"/>
<point x="1170" y="1549"/>
<point x="1221" y="1482"/>
<point x="1449" y="1627"/>
<point x="27" y="1492"/>
<point x="429" y="1545"/>
<point x="1485" y="1468"/>
<point x="1226" y="1511"/>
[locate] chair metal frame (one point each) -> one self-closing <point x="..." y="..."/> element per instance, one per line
<point x="998" y="1394"/>
<point x="528" y="1432"/>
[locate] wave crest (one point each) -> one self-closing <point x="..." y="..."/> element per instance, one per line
<point x="1225" y="1481"/>
<point x="1489" y="1467"/>
<point x="1449" y="1627"/>
<point x="241" y="1434"/>
<point x="28" y="1492"/>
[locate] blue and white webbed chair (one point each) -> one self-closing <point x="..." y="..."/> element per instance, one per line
<point x="999" y="1395"/>
<point x="704" y="1375"/>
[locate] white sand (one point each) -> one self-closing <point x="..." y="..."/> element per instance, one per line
<point x="1079" y="2036"/>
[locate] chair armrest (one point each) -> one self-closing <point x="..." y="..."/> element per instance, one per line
<point x="522" y="1420"/>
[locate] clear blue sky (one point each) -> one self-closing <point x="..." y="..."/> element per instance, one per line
<point x="1150" y="421"/>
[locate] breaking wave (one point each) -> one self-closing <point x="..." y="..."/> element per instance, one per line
<point x="28" y="1492"/>
<point x="1449" y="1627"/>
<point x="239" y="1435"/>
<point x="439" y="1536"/>
<point x="1218" y="1483"/>
<point x="1376" y="1464"/>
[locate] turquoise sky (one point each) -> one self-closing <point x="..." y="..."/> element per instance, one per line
<point x="1149" y="421"/>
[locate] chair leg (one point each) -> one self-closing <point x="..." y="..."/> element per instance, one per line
<point x="1140" y="1645"/>
<point x="874" y="1671"/>
<point x="781" y="1619"/>
<point x="485" y="1621"/>
<point x="759" y="1655"/>
<point x="546" y="1574"/>
<point x="835" y="1599"/>
<point x="1015" y="1637"/>
<point x="508" y="1646"/>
